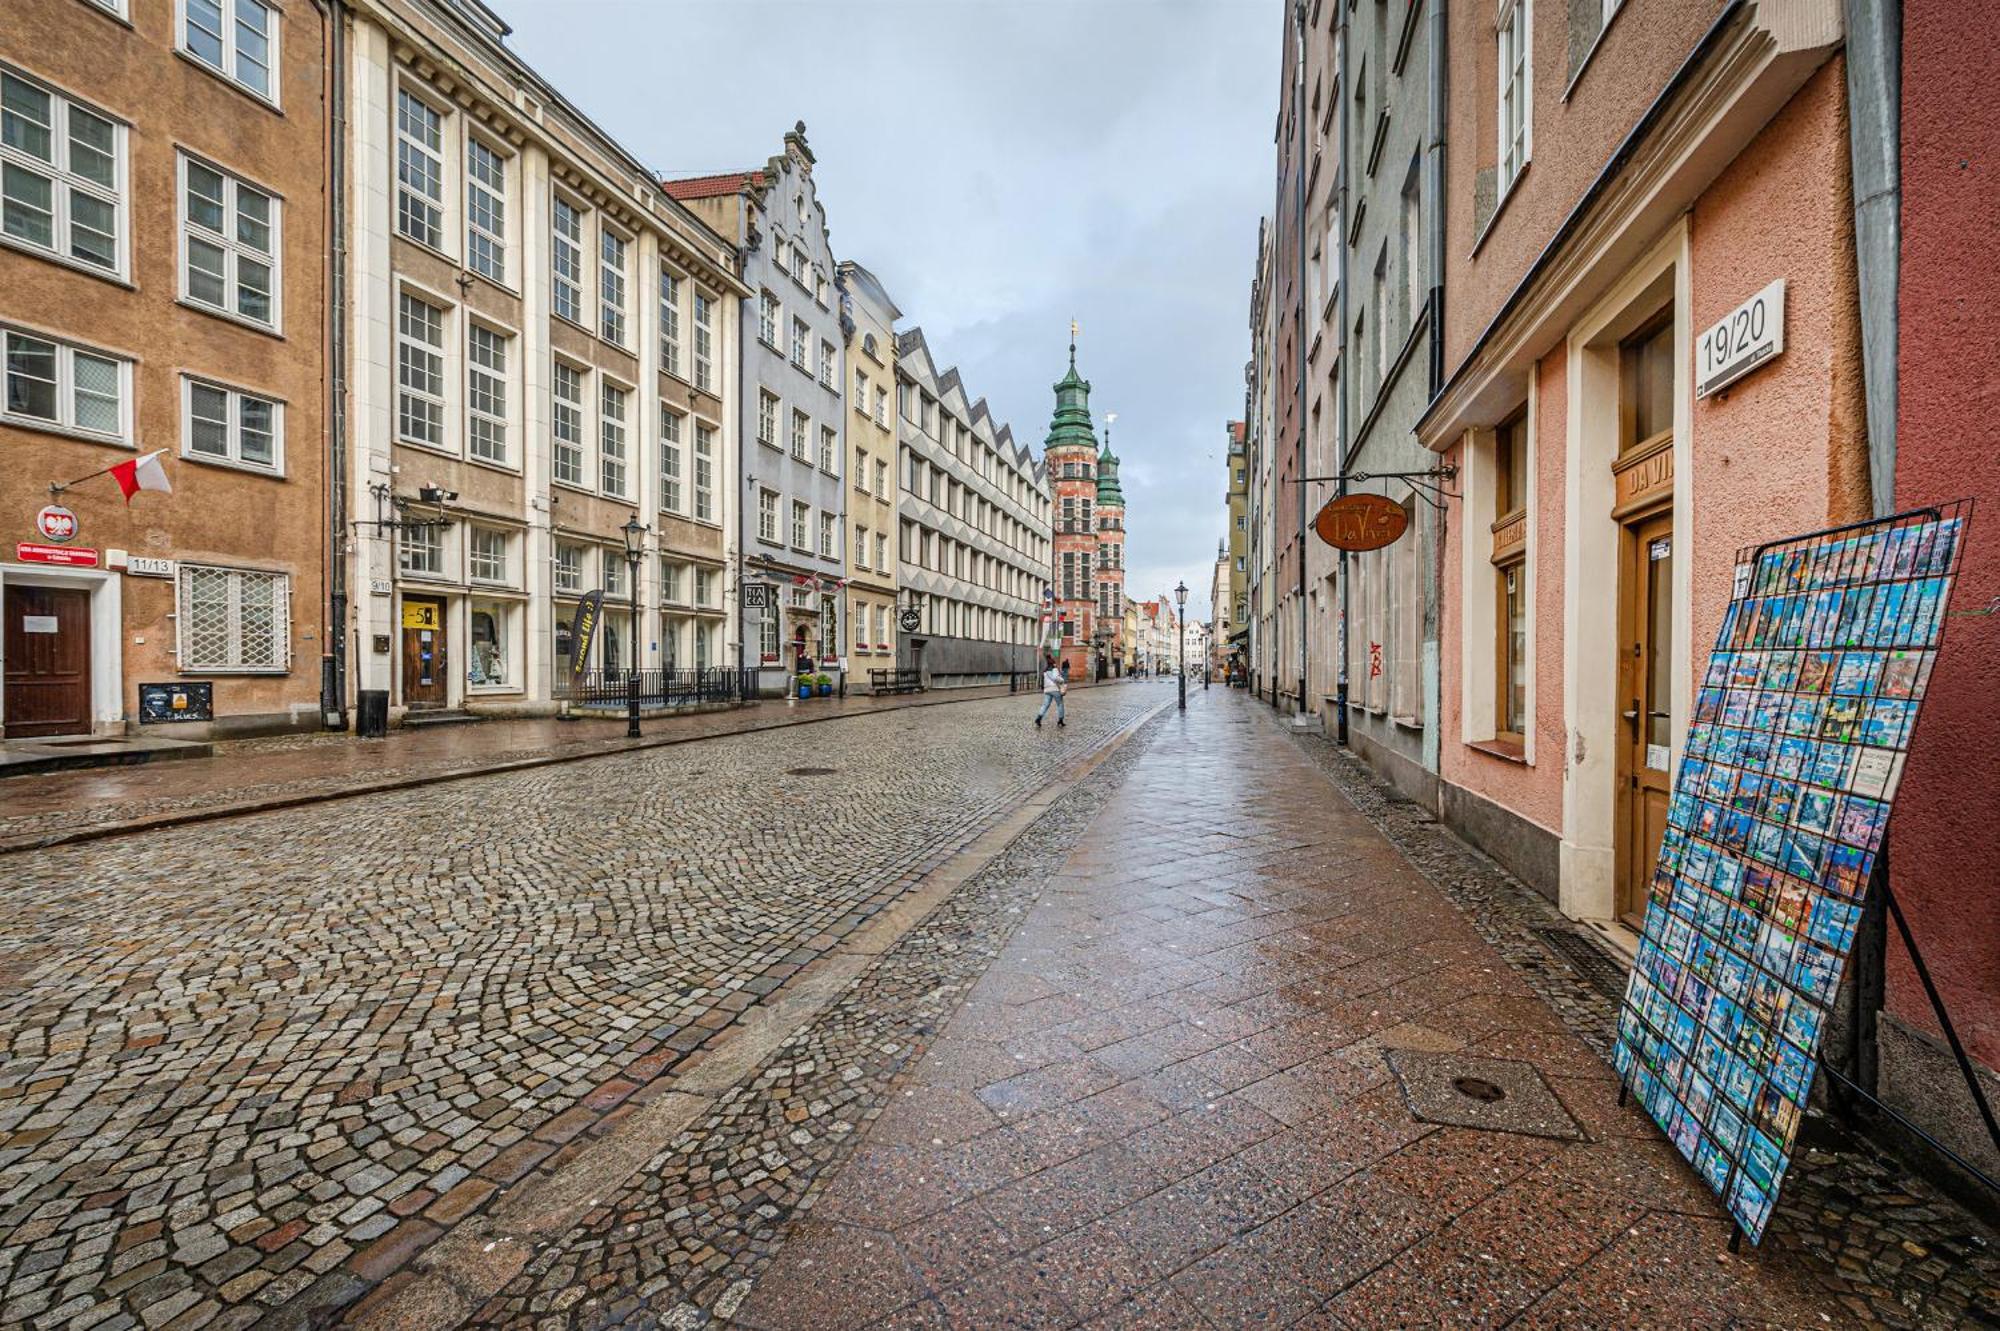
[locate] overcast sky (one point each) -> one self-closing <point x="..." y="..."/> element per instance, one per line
<point x="1002" y="166"/>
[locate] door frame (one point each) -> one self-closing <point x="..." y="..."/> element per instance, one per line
<point x="1633" y="569"/>
<point x="107" y="641"/>
<point x="446" y="607"/>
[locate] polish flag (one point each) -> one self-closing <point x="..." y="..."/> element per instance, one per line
<point x="142" y="473"/>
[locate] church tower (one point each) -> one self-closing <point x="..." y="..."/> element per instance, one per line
<point x="1109" y="636"/>
<point x="1070" y="454"/>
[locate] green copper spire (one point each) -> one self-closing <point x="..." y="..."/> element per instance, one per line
<point x="1071" y="426"/>
<point x="1107" y="475"/>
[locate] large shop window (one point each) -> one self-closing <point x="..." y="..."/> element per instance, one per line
<point x="492" y="638"/>
<point x="234" y="620"/>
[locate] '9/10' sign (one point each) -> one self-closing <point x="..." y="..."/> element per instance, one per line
<point x="1745" y="338"/>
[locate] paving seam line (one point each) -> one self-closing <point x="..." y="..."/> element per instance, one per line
<point x="470" y="1262"/>
<point x="216" y="813"/>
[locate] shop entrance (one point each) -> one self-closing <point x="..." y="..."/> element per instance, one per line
<point x="424" y="678"/>
<point x="48" y="661"/>
<point x="1645" y="689"/>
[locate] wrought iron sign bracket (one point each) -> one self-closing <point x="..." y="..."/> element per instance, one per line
<point x="1429" y="485"/>
<point x="384" y="498"/>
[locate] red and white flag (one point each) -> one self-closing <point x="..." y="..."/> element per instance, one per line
<point x="142" y="473"/>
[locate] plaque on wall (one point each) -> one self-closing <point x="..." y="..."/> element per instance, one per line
<point x="163" y="703"/>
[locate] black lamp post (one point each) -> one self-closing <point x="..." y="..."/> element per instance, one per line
<point x="1180" y="600"/>
<point x="635" y="540"/>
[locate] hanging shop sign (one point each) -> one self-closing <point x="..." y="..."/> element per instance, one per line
<point x="1776" y="819"/>
<point x="1742" y="340"/>
<point x="1361" y="522"/>
<point x="56" y="523"/>
<point x="756" y="595"/>
<point x="912" y="619"/>
<point x="73" y="556"/>
<point x="583" y="629"/>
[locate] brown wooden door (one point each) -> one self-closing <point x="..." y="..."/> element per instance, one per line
<point x="48" y="662"/>
<point x="1647" y="647"/>
<point x="423" y="654"/>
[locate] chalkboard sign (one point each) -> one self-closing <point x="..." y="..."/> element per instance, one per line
<point x="176" y="702"/>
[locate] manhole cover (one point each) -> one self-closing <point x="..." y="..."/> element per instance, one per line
<point x="809" y="771"/>
<point x="1478" y="1088"/>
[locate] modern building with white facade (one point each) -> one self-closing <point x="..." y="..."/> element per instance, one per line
<point x="973" y="536"/>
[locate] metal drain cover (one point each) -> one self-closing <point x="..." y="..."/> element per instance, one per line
<point x="1489" y="1094"/>
<point x="1592" y="964"/>
<point x="810" y="771"/>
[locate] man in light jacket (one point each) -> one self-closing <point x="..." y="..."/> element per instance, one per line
<point x="1055" y="683"/>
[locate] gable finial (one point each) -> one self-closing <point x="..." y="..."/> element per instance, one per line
<point x="1072" y="344"/>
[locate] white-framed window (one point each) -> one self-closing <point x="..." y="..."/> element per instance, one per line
<point x="826" y="364"/>
<point x="670" y="322"/>
<point x="882" y="407"/>
<point x="860" y="547"/>
<point x="419" y="170"/>
<point x="611" y="439"/>
<point x="236" y="38"/>
<point x="566" y="423"/>
<point x="829" y="451"/>
<point x="704" y="472"/>
<point x="670" y="582"/>
<point x="229" y="243"/>
<point x="611" y="284"/>
<point x="767" y="635"/>
<point x="487" y="555"/>
<point x="860" y="389"/>
<point x="881" y="479"/>
<point x="612" y="564"/>
<point x="671" y="426"/>
<point x="60" y="385"/>
<point x="486" y="211"/>
<point x="486" y="393"/>
<point x="234" y="619"/>
<point x="767" y="319"/>
<point x="801" y="525"/>
<point x="704" y="341"/>
<point x="62" y="175"/>
<point x="767" y="417"/>
<point x="566" y="258"/>
<point x="801" y="435"/>
<point x="801" y="339"/>
<point x="703" y="648"/>
<point x="881" y="553"/>
<point x="420" y="549"/>
<point x="492" y="624"/>
<point x="419" y="371"/>
<point x="221" y="424"/>
<point x="111" y="6"/>
<point x="861" y="470"/>
<point x="1516" y="86"/>
<point x="767" y="516"/>
<point x="829" y="536"/>
<point x="860" y="617"/>
<point x="569" y="568"/>
<point x="704" y="587"/>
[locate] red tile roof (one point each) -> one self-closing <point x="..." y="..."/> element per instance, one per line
<point x="708" y="187"/>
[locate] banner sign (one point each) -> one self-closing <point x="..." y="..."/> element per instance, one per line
<point x="582" y="630"/>
<point x="1777" y="815"/>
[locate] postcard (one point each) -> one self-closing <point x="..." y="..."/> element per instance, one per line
<point x="1847" y="869"/>
<point x="1832" y="924"/>
<point x="1816" y="671"/>
<point x="1856" y="672"/>
<point x="1875" y="773"/>
<point x="1841" y="722"/>
<point x="1904" y="673"/>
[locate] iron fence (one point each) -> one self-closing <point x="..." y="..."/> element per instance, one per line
<point x="657" y="688"/>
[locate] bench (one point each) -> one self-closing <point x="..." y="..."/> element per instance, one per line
<point x="895" y="681"/>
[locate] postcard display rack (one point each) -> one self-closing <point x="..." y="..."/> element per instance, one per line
<point x="1777" y="816"/>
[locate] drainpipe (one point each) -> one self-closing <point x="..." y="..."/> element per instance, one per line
<point x="333" y="679"/>
<point x="1434" y="257"/>
<point x="1874" y="132"/>
<point x="1299" y="170"/>
<point x="1346" y="375"/>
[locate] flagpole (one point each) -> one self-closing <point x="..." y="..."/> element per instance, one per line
<point x="56" y="488"/>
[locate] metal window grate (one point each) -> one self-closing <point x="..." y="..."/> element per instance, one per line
<point x="1592" y="963"/>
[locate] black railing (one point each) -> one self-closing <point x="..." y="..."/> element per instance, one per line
<point x="657" y="688"/>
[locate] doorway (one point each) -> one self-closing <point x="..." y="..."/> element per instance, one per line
<point x="424" y="657"/>
<point x="48" y="662"/>
<point x="1645" y="689"/>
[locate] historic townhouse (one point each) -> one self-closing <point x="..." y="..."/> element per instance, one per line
<point x="162" y="297"/>
<point x="542" y="356"/>
<point x="1107" y="637"/>
<point x="868" y="322"/>
<point x="1262" y="494"/>
<point x="793" y="416"/>
<point x="1234" y="607"/>
<point x="972" y="531"/>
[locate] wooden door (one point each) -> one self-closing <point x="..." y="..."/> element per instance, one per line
<point x="1647" y="651"/>
<point x="48" y="662"/>
<point x="424" y="660"/>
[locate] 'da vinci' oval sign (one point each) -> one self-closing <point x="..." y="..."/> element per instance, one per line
<point x="1361" y="522"/>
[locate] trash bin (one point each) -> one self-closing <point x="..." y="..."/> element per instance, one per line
<point x="371" y="714"/>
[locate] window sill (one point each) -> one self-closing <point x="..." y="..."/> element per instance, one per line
<point x="1507" y="750"/>
<point x="115" y="278"/>
<point x="233" y="670"/>
<point x="230" y="464"/>
<point x="1500" y="208"/>
<point x="240" y="320"/>
<point x="40" y="426"/>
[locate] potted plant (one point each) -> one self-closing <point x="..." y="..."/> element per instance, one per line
<point x="805" y="686"/>
<point x="825" y="683"/>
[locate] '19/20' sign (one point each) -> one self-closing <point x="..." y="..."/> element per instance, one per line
<point x="1745" y="338"/>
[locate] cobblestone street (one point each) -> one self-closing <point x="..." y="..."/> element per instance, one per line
<point x="1050" y="1028"/>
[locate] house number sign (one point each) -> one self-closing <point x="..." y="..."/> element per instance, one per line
<point x="1745" y="338"/>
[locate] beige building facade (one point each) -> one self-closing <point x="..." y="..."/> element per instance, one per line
<point x="868" y="317"/>
<point x="162" y="290"/>
<point x="543" y="352"/>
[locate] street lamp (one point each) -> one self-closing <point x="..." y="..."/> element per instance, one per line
<point x="635" y="542"/>
<point x="1180" y="600"/>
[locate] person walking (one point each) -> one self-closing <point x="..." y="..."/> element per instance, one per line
<point x="1055" y="683"/>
